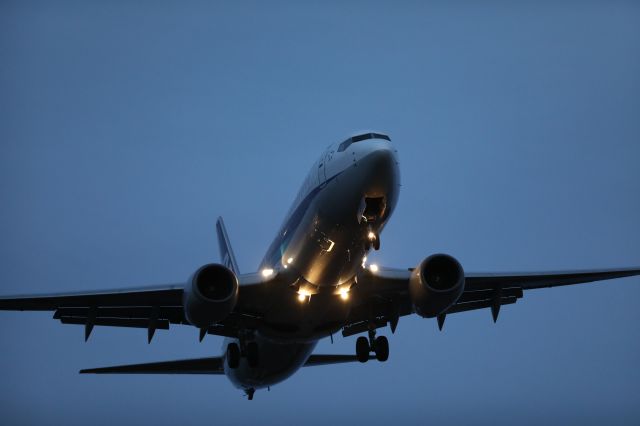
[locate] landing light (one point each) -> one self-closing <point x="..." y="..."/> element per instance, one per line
<point x="371" y="236"/>
<point x="303" y="295"/>
<point x="373" y="267"/>
<point x="267" y="272"/>
<point x="290" y="260"/>
<point x="344" y="294"/>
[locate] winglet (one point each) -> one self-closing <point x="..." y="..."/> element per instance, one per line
<point x="226" y="252"/>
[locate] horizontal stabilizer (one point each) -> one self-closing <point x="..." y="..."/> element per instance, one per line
<point x="212" y="365"/>
<point x="331" y="359"/>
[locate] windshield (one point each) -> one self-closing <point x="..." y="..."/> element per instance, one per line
<point x="344" y="145"/>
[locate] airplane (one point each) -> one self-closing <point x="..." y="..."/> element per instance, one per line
<point x="313" y="282"/>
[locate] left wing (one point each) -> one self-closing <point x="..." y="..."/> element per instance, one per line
<point x="382" y="297"/>
<point x="147" y="307"/>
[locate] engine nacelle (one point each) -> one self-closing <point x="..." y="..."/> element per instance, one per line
<point x="210" y="295"/>
<point x="436" y="284"/>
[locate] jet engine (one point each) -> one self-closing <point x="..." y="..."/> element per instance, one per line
<point x="210" y="295"/>
<point x="436" y="284"/>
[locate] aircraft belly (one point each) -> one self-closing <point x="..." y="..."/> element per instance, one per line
<point x="277" y="363"/>
<point x="292" y="320"/>
<point x="326" y="249"/>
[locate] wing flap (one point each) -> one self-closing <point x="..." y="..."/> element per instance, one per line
<point x="479" y="304"/>
<point x="489" y="294"/>
<point x="117" y="322"/>
<point x="173" y="314"/>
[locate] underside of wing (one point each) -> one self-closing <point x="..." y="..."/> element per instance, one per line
<point x="382" y="297"/>
<point x="529" y="281"/>
<point x="144" y="307"/>
<point x="152" y="308"/>
<point x="494" y="290"/>
<point x="165" y="295"/>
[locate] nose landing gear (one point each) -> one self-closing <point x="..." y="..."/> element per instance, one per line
<point x="372" y="210"/>
<point x="373" y="240"/>
<point x="378" y="345"/>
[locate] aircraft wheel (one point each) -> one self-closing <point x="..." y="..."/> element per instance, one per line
<point x="382" y="348"/>
<point x="252" y="354"/>
<point x="376" y="243"/>
<point x="233" y="355"/>
<point x="362" y="349"/>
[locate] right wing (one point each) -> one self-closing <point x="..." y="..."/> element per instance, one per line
<point x="148" y="307"/>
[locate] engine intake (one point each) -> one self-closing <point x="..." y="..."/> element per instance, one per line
<point x="436" y="284"/>
<point x="210" y="295"/>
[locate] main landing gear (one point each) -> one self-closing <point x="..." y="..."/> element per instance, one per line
<point x="378" y="345"/>
<point x="250" y="352"/>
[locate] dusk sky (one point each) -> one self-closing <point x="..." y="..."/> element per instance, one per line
<point x="126" y="128"/>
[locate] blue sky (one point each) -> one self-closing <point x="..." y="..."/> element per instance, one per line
<point x="126" y="129"/>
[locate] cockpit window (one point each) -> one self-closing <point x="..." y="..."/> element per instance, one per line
<point x="344" y="145"/>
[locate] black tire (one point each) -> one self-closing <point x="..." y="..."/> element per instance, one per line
<point x="376" y="243"/>
<point x="362" y="349"/>
<point x="382" y="348"/>
<point x="233" y="356"/>
<point x="253" y="356"/>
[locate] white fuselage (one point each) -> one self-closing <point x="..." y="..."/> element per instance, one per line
<point x="350" y="192"/>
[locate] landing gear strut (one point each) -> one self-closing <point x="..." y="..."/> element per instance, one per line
<point x="378" y="345"/>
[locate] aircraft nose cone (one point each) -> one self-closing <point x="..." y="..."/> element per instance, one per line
<point x="381" y="164"/>
<point x="381" y="174"/>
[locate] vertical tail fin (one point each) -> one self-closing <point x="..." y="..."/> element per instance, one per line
<point x="226" y="252"/>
